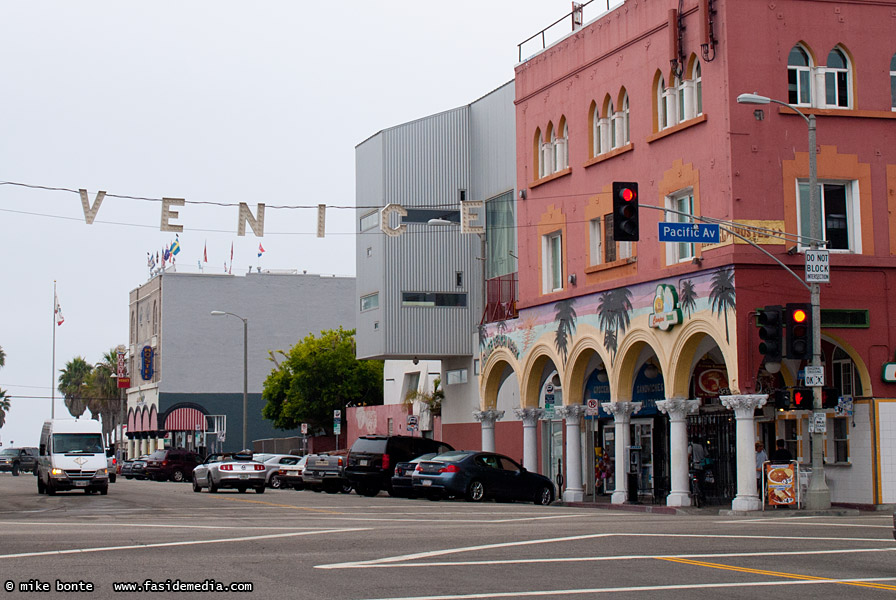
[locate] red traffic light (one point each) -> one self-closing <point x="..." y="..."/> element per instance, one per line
<point x="802" y="398"/>
<point x="628" y="194"/>
<point x="798" y="316"/>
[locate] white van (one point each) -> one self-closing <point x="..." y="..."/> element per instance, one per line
<point x="72" y="457"/>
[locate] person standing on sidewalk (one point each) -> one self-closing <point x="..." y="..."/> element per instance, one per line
<point x="781" y="454"/>
<point x="761" y="458"/>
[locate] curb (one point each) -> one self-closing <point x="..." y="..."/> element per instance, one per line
<point x="711" y="511"/>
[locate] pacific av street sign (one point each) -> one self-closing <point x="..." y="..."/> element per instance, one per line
<point x="695" y="233"/>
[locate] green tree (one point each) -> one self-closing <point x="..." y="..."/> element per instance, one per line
<point x="73" y="385"/>
<point x="104" y="396"/>
<point x="431" y="400"/>
<point x="317" y="376"/>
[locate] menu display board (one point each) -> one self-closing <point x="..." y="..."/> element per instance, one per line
<point x="781" y="481"/>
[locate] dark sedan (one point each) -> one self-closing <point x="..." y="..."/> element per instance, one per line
<point x="134" y="468"/>
<point x="403" y="481"/>
<point x="477" y="476"/>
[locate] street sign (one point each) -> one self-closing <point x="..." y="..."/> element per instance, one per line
<point x="592" y="407"/>
<point x="412" y="420"/>
<point x="124" y="382"/>
<point x="337" y="428"/>
<point x="304" y="428"/>
<point x="818" y="269"/>
<point x="818" y="423"/>
<point x="814" y="376"/>
<point x="696" y="233"/>
<point x="337" y="414"/>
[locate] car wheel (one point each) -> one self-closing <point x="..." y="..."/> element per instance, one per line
<point x="434" y="496"/>
<point x="112" y="477"/>
<point x="259" y="489"/>
<point x="178" y="475"/>
<point x="104" y="491"/>
<point x="196" y="487"/>
<point x="212" y="488"/>
<point x="15" y="470"/>
<point x="346" y="488"/>
<point x="242" y="490"/>
<point x="476" y="491"/>
<point x="544" y="496"/>
<point x="332" y="488"/>
<point x="368" y="490"/>
<point x="41" y="488"/>
<point x="128" y="476"/>
<point x="51" y="489"/>
<point x="276" y="483"/>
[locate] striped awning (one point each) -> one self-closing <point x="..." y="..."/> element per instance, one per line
<point x="144" y="421"/>
<point x="184" y="419"/>
<point x="132" y="421"/>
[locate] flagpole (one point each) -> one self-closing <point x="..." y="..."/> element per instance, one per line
<point x="53" y="386"/>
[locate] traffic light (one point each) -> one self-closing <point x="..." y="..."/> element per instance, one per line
<point x="782" y="399"/>
<point x="802" y="398"/>
<point x="830" y="397"/>
<point x="625" y="211"/>
<point x="770" y="332"/>
<point x="798" y="331"/>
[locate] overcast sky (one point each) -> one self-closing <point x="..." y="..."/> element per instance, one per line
<point x="209" y="101"/>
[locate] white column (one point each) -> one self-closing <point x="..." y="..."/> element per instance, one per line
<point x="678" y="410"/>
<point x="530" y="417"/>
<point x="622" y="416"/>
<point x="488" y="418"/>
<point x="744" y="406"/>
<point x="572" y="413"/>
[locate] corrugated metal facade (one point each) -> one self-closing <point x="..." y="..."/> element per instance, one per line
<point x="425" y="164"/>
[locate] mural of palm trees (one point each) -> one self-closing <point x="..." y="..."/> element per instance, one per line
<point x="614" y="316"/>
<point x="73" y="385"/>
<point x="721" y="295"/>
<point x="687" y="298"/>
<point x="483" y="336"/>
<point x="566" y="327"/>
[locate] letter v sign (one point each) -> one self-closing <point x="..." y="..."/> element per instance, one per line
<point x="90" y="211"/>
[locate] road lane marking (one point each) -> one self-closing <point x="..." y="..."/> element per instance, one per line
<point x="458" y="550"/>
<point x="152" y="525"/>
<point x="170" y="544"/>
<point x="640" y="588"/>
<point x="796" y="576"/>
<point x="581" y="559"/>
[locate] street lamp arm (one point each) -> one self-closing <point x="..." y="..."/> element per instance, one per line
<point x="757" y="99"/>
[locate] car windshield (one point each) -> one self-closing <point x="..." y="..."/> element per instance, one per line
<point x="455" y="456"/>
<point x="9" y="452"/>
<point x="374" y="446"/>
<point x="86" y="443"/>
<point x="423" y="457"/>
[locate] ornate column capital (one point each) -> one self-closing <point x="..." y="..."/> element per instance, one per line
<point x="621" y="411"/>
<point x="529" y="416"/>
<point x="678" y="408"/>
<point x="571" y="412"/>
<point x="488" y="417"/>
<point x="744" y="405"/>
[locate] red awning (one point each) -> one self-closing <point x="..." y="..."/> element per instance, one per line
<point x="144" y="421"/>
<point x="153" y="420"/>
<point x="184" y="419"/>
<point x="132" y="421"/>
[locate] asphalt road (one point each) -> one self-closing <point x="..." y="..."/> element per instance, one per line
<point x="290" y="544"/>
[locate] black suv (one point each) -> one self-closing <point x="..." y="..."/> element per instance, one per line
<point x="372" y="459"/>
<point x="175" y="464"/>
<point x="18" y="460"/>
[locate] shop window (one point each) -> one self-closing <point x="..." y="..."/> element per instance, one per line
<point x="838" y="222"/>
<point x="841" y="439"/>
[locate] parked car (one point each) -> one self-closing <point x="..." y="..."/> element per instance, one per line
<point x="402" y="481"/>
<point x="236" y="470"/>
<point x="17" y="460"/>
<point x="372" y="459"/>
<point x="292" y="475"/>
<point x="111" y="466"/>
<point x="272" y="464"/>
<point x="174" y="464"/>
<point x="326" y="472"/>
<point x="477" y="476"/>
<point x="134" y="468"/>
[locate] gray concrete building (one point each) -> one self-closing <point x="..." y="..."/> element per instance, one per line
<point x="186" y="365"/>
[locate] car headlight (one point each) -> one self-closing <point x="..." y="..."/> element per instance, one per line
<point x="102" y="471"/>
<point x="57" y="473"/>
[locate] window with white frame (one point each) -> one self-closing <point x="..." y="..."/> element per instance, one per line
<point x="843" y="370"/>
<point x="552" y="261"/>
<point x="546" y="164"/>
<point x="683" y="204"/>
<point x="799" y="77"/>
<point x="596" y="241"/>
<point x="370" y="220"/>
<point x="561" y="149"/>
<point x="370" y="301"/>
<point x="839" y="218"/>
<point x="893" y="82"/>
<point x="455" y="376"/>
<point x="597" y="147"/>
<point x="626" y="134"/>
<point x="836" y="80"/>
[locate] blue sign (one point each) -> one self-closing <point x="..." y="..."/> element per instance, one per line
<point x="146" y="363"/>
<point x="694" y="233"/>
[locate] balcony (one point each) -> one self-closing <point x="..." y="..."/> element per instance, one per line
<point x="500" y="298"/>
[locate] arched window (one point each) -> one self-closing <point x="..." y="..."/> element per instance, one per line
<point x="626" y="133"/>
<point x="697" y="78"/>
<point x="155" y="318"/>
<point x="560" y="143"/>
<point x="662" y="117"/>
<point x="893" y="82"/>
<point x="594" y="118"/>
<point x="836" y="80"/>
<point x="799" y="77"/>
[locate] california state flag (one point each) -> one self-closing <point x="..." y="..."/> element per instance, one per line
<point x="59" y="318"/>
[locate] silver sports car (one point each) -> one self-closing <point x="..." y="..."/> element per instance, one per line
<point x="236" y="470"/>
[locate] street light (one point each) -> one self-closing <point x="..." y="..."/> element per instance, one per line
<point x="818" y="496"/>
<point x="221" y="313"/>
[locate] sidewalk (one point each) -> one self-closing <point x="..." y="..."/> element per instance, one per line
<point x="603" y="502"/>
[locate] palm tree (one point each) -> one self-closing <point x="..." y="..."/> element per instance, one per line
<point x="105" y="398"/>
<point x="688" y="297"/>
<point x="614" y="315"/>
<point x="722" y="294"/>
<point x="566" y="327"/>
<point x="73" y="386"/>
<point x="4" y="400"/>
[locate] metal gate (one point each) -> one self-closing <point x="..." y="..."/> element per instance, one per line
<point x="717" y="433"/>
